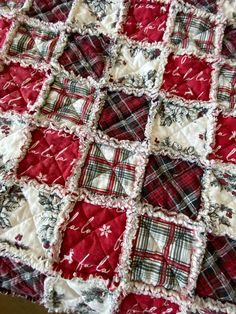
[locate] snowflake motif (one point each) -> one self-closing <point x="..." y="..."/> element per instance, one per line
<point x="42" y="177"/>
<point x="105" y="230"/>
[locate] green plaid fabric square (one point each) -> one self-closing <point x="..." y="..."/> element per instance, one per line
<point x="162" y="253"/>
<point x="108" y="170"/>
<point x="68" y="102"/>
<point x="193" y="31"/>
<point x="34" y="44"/>
<point x="226" y="93"/>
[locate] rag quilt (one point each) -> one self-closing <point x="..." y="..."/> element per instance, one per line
<point x="118" y="155"/>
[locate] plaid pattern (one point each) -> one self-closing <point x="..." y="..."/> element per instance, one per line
<point x="227" y="81"/>
<point x="85" y="55"/>
<point x="124" y="116"/>
<point x="32" y="43"/>
<point x="162" y="253"/>
<point x="208" y="5"/>
<point x="20" y="279"/>
<point x="108" y="170"/>
<point x="229" y="42"/>
<point x="191" y="30"/>
<point x="217" y="278"/>
<point x="50" y="10"/>
<point x="68" y="101"/>
<point x="173" y="184"/>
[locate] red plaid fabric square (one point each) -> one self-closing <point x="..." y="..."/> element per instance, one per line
<point x="140" y="303"/>
<point x="146" y="20"/>
<point x="5" y="25"/>
<point x="162" y="253"/>
<point x="226" y="93"/>
<point x="85" y="55"/>
<point x="217" y="279"/>
<point x="188" y="77"/>
<point x="20" y="279"/>
<point x="50" y="10"/>
<point x="207" y="5"/>
<point x="108" y="170"/>
<point x="124" y="116"/>
<point x="173" y="184"/>
<point x="229" y="42"/>
<point x="68" y="101"/>
<point x="50" y="157"/>
<point x="33" y="43"/>
<point x="92" y="241"/>
<point x="191" y="31"/>
<point x="20" y="87"/>
<point x="224" y="147"/>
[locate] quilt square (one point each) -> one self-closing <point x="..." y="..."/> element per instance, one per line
<point x="173" y="184"/>
<point x="229" y="42"/>
<point x="50" y="10"/>
<point x="69" y="102"/>
<point x="50" y="157"/>
<point x="188" y="77"/>
<point x="27" y="211"/>
<point x="224" y="147"/>
<point x="19" y="279"/>
<point x="13" y="135"/>
<point x="92" y="241"/>
<point x="195" y="32"/>
<point x="226" y="92"/>
<point x="33" y="44"/>
<point x="124" y="116"/>
<point x="220" y="193"/>
<point x="207" y="5"/>
<point x="87" y="297"/>
<point x="217" y="279"/>
<point x="162" y="253"/>
<point x="20" y="87"/>
<point x="99" y="16"/>
<point x="146" y="20"/>
<point x="5" y="25"/>
<point x="180" y="130"/>
<point x="85" y="55"/>
<point x="135" y="67"/>
<point x="140" y="303"/>
<point x="108" y="170"/>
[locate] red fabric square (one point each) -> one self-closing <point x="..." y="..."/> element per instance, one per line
<point x="135" y="303"/>
<point x="146" y="20"/>
<point x="225" y="145"/>
<point x="187" y="77"/>
<point x="92" y="241"/>
<point x="50" y="157"/>
<point x="5" y="25"/>
<point x="20" y="87"/>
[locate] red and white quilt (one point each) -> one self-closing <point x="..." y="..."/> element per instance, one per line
<point x="118" y="155"/>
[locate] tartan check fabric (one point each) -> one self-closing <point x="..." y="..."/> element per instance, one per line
<point x="20" y="279"/>
<point x="208" y="5"/>
<point x="69" y="101"/>
<point x="50" y="10"/>
<point x="217" y="279"/>
<point x="193" y="31"/>
<point x="85" y="55"/>
<point x="124" y="116"/>
<point x="226" y="92"/>
<point x="32" y="43"/>
<point x="173" y="184"/>
<point x="229" y="42"/>
<point x="162" y="253"/>
<point x="108" y="170"/>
